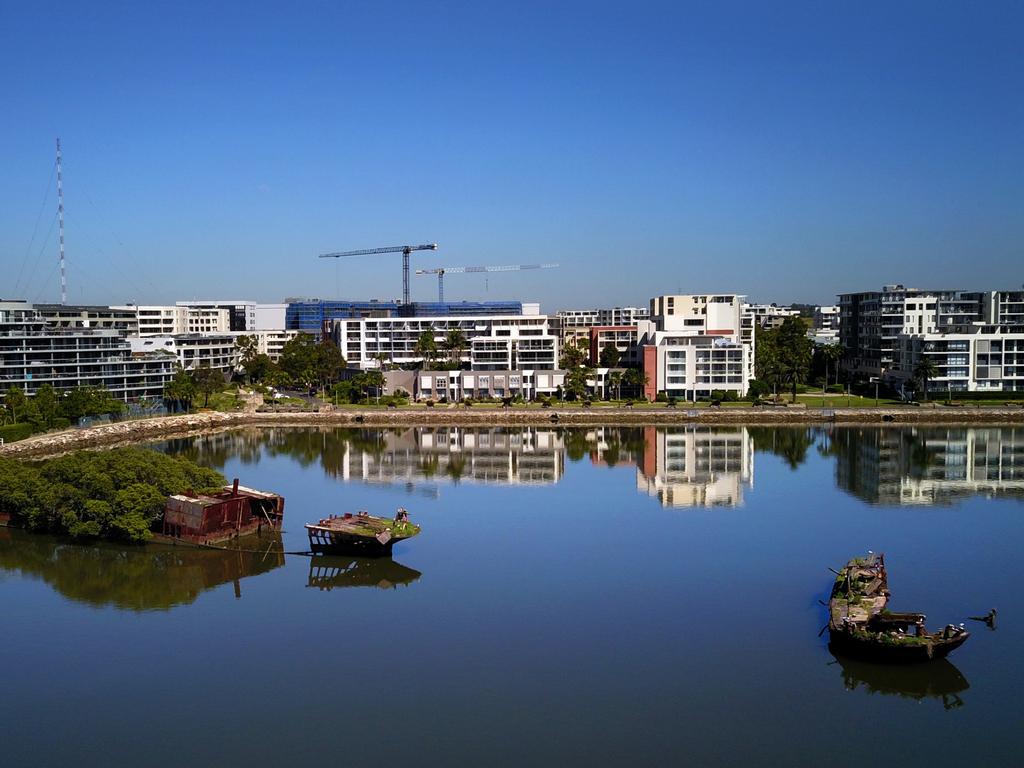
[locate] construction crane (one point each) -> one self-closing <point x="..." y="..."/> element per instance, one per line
<point x="441" y="271"/>
<point x="405" y="250"/>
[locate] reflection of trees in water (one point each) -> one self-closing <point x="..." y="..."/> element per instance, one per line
<point x="788" y="443"/>
<point x="938" y="679"/>
<point x="142" y="578"/>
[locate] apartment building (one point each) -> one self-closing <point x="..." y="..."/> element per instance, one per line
<point x="192" y="351"/>
<point x="241" y="314"/>
<point x="453" y="386"/>
<point x="769" y="316"/>
<point x="34" y="353"/>
<point x="121" y="319"/>
<point x="587" y="318"/>
<point x="497" y="343"/>
<point x="314" y="315"/>
<point x="696" y="344"/>
<point x="885" y="333"/>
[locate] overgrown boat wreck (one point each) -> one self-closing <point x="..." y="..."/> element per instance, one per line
<point x="860" y="623"/>
<point x="360" y="534"/>
<point x="214" y="518"/>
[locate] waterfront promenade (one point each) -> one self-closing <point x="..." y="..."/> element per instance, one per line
<point x="144" y="430"/>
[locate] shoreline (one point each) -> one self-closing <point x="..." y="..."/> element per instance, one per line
<point x="146" y="430"/>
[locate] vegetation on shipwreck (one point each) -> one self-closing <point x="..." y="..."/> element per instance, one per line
<point x="115" y="494"/>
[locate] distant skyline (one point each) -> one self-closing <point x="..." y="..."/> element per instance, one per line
<point x="789" y="152"/>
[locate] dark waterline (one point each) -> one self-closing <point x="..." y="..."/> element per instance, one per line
<point x="580" y="597"/>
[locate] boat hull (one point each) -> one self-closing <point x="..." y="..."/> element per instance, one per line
<point x="873" y="649"/>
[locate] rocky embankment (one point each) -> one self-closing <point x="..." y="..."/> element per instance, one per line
<point x="146" y="430"/>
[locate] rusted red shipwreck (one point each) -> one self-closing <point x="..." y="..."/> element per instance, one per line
<point x="211" y="519"/>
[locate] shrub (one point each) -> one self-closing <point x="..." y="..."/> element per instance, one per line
<point x="12" y="432"/>
<point x="661" y="397"/>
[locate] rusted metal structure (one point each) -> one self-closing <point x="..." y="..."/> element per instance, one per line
<point x="209" y="519"/>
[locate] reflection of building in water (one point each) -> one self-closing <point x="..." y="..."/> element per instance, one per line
<point x="696" y="466"/>
<point x="930" y="465"/>
<point x="484" y="455"/>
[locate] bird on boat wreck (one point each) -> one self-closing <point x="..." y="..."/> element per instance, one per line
<point x="860" y="623"/>
<point x="360" y="534"/>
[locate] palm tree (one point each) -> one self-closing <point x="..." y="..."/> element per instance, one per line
<point x="924" y="371"/>
<point x="426" y="347"/>
<point x="615" y="379"/>
<point x="455" y="343"/>
<point x="833" y="354"/>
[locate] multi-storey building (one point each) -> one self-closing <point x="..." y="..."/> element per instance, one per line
<point x="769" y="315"/>
<point x="121" y="319"/>
<point x="695" y="345"/>
<point x="314" y="315"/>
<point x="34" y="353"/>
<point x="241" y="314"/>
<point x="509" y="342"/>
<point x="155" y="320"/>
<point x="527" y="383"/>
<point x="885" y="333"/>
<point x="586" y="318"/>
<point x="270" y="317"/>
<point x="192" y="351"/>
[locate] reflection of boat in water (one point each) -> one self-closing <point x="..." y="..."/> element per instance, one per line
<point x="327" y="573"/>
<point x="938" y="680"/>
<point x="860" y="623"/>
<point x="136" y="578"/>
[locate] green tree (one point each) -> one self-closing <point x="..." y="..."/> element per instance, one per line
<point x="207" y="381"/>
<point x="767" y="365"/>
<point x="181" y="389"/>
<point x="832" y="353"/>
<point x="573" y="356"/>
<point x="299" y="360"/>
<point x="636" y="381"/>
<point x="15" y="404"/>
<point x="794" y="351"/>
<point x="248" y="348"/>
<point x="615" y="380"/>
<point x="924" y="371"/>
<point x="46" y="404"/>
<point x="328" y="362"/>
<point x="610" y="356"/>
<point x="426" y="347"/>
<point x="454" y="343"/>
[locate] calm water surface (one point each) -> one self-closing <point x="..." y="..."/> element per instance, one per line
<point x="591" y="597"/>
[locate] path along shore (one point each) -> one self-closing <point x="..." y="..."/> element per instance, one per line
<point x="146" y="430"/>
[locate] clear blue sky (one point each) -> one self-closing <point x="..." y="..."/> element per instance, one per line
<point x="786" y="151"/>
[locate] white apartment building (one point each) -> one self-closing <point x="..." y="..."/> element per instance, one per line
<point x="123" y="320"/>
<point x="586" y="318"/>
<point x="34" y="353"/>
<point x="454" y="386"/>
<point x="510" y="342"/>
<point x="979" y="358"/>
<point x="155" y="320"/>
<point x="269" y="342"/>
<point x="769" y="315"/>
<point x="241" y="313"/>
<point x="697" y="344"/>
<point x="192" y="350"/>
<point x="971" y="335"/>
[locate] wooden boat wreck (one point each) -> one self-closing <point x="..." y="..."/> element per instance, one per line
<point x="861" y="625"/>
<point x="360" y="534"/>
<point x="206" y="519"/>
